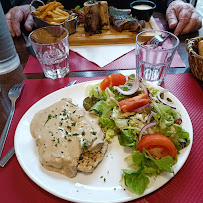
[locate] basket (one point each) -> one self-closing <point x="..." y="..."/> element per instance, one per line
<point x="195" y="60"/>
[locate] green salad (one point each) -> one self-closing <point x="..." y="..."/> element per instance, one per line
<point x="143" y="119"/>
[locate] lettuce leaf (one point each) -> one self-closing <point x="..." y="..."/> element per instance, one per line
<point x="126" y="138"/>
<point x="146" y="167"/>
<point x="165" y="116"/>
<point x="137" y="181"/>
<point x="102" y="108"/>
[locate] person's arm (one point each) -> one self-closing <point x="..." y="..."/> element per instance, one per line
<point x="183" y="17"/>
<point x="15" y="16"/>
<point x="20" y="13"/>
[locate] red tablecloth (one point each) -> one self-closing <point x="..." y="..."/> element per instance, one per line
<point x="78" y="63"/>
<point x="186" y="186"/>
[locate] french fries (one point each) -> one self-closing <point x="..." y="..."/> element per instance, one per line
<point x="52" y="13"/>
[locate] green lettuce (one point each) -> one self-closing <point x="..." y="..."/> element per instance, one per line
<point x="165" y="116"/>
<point x="102" y="108"/>
<point x="126" y="138"/>
<point x="146" y="167"/>
<point x="109" y="126"/>
<point x="137" y="181"/>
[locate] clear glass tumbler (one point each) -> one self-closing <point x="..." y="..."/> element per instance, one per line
<point x="152" y="62"/>
<point x="9" y="59"/>
<point x="52" y="50"/>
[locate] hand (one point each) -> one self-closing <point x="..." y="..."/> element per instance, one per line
<point x="15" y="16"/>
<point x="183" y="17"/>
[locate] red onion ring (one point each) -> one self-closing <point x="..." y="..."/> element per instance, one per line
<point x="143" y="87"/>
<point x="161" y="100"/>
<point x="135" y="86"/>
<point x="149" y="118"/>
<point x="144" y="128"/>
<point x="149" y="130"/>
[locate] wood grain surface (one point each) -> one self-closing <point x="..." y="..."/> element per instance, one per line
<point x="109" y="36"/>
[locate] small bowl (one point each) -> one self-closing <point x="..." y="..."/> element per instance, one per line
<point x="142" y="9"/>
<point x="195" y="60"/>
<point x="70" y="25"/>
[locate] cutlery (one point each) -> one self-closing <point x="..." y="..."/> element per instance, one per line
<point x="28" y="45"/>
<point x="13" y="94"/>
<point x="157" y="40"/>
<point x="71" y="83"/>
<point x="7" y="157"/>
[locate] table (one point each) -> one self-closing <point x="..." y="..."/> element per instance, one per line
<point x="16" y="76"/>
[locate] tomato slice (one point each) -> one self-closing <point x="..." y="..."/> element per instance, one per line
<point x="115" y="79"/>
<point x="129" y="105"/>
<point x="157" y="145"/>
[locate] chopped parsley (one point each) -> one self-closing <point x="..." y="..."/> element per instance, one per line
<point x="69" y="127"/>
<point x="64" y="112"/>
<point x="48" y="118"/>
<point x="73" y="123"/>
<point x="75" y="134"/>
<point x="93" y="133"/>
<point x="84" y="146"/>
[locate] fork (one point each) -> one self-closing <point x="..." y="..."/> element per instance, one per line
<point x="157" y="40"/>
<point x="13" y="95"/>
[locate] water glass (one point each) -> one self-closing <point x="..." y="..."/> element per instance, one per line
<point x="152" y="62"/>
<point x="9" y="59"/>
<point x="52" y="50"/>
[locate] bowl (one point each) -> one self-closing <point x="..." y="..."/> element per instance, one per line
<point x="141" y="9"/>
<point x="69" y="24"/>
<point x="195" y="60"/>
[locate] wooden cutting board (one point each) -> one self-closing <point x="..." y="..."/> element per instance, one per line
<point x="111" y="36"/>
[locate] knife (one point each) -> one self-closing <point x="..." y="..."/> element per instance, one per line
<point x="28" y="45"/>
<point x="71" y="83"/>
<point x="7" y="157"/>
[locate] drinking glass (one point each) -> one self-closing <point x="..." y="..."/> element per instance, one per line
<point x="152" y="62"/>
<point x="52" y="50"/>
<point x="9" y="59"/>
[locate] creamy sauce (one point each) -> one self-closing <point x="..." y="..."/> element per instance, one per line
<point x="142" y="7"/>
<point x="62" y="132"/>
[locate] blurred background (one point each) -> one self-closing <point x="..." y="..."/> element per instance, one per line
<point x="199" y="6"/>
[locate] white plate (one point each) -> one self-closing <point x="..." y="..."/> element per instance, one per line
<point x="87" y="187"/>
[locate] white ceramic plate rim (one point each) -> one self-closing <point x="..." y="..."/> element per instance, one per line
<point x="87" y="187"/>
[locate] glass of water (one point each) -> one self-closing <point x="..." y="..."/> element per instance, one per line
<point x="152" y="62"/>
<point x="9" y="59"/>
<point x="52" y="50"/>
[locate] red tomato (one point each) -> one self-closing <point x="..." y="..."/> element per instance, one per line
<point x="157" y="145"/>
<point x="113" y="80"/>
<point x="129" y="105"/>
